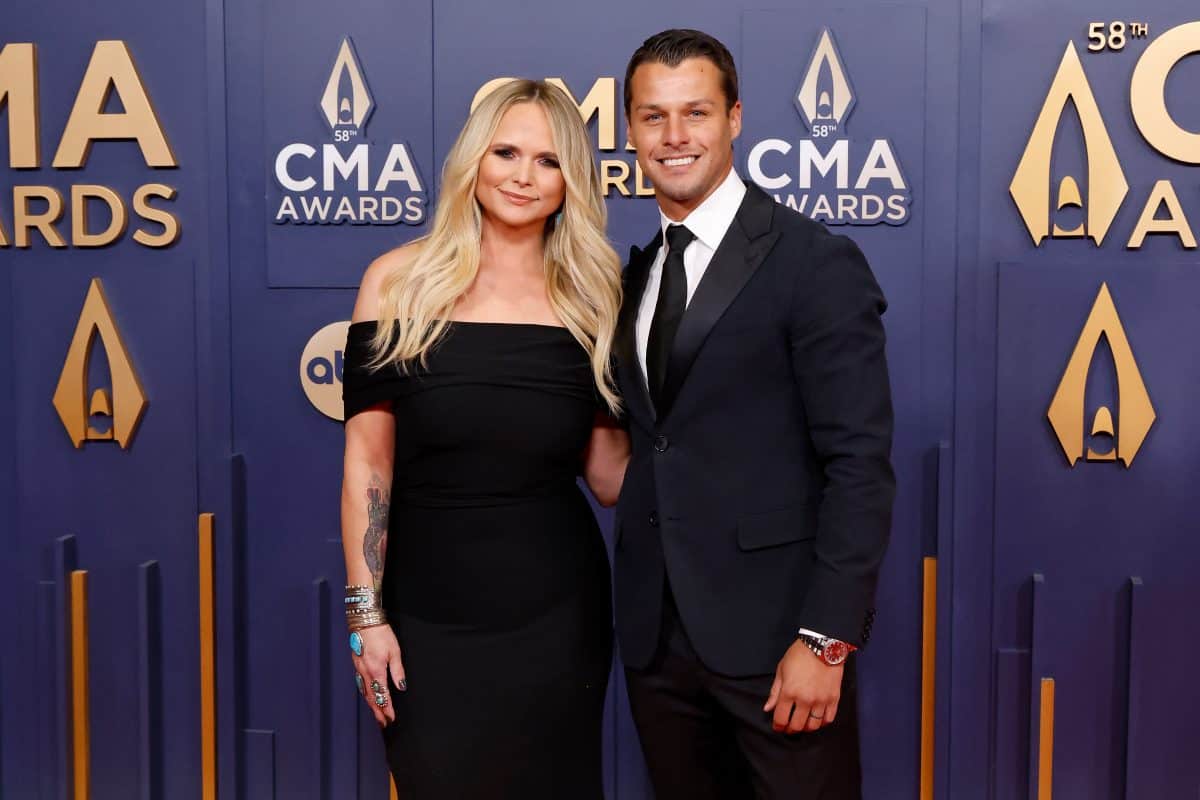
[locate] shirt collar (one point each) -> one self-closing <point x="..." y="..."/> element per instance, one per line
<point x="712" y="218"/>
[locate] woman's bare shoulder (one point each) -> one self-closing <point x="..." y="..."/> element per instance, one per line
<point x="366" y="307"/>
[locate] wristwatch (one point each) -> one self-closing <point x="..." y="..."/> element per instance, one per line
<point x="831" y="651"/>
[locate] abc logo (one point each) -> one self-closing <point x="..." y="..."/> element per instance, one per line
<point x="321" y="369"/>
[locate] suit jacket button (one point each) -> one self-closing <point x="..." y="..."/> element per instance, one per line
<point x="661" y="444"/>
<point x="653" y="519"/>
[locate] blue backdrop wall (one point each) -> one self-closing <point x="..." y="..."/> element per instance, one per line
<point x="1022" y="176"/>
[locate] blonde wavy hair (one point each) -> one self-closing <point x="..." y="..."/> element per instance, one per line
<point x="583" y="272"/>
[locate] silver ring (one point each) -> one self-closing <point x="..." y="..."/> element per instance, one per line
<point x="380" y="699"/>
<point x="815" y="716"/>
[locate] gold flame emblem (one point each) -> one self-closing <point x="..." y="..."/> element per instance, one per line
<point x="1134" y="409"/>
<point x="346" y="101"/>
<point x="825" y="97"/>
<point x="108" y="415"/>
<point x="1030" y="187"/>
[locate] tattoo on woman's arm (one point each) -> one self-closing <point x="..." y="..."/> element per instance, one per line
<point x="375" y="539"/>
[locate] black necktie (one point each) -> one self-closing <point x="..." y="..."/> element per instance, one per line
<point x="672" y="300"/>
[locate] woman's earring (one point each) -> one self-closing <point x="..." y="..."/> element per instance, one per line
<point x="558" y="219"/>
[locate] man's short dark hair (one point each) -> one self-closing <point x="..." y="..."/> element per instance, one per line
<point x="676" y="45"/>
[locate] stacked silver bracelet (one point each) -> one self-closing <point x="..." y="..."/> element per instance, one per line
<point x="363" y="609"/>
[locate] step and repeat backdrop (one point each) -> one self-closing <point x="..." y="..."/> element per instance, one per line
<point x="190" y="192"/>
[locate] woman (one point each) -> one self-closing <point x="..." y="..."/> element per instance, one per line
<point x="477" y="387"/>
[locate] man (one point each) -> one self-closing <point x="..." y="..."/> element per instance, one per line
<point x="757" y="502"/>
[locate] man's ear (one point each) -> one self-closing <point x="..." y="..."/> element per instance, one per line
<point x="735" y="119"/>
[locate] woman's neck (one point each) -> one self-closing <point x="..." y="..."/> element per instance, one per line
<point x="513" y="251"/>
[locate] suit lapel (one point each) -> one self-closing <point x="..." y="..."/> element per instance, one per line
<point x="744" y="247"/>
<point x="637" y="395"/>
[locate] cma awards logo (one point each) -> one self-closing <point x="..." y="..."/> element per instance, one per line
<point x="347" y="179"/>
<point x="108" y="414"/>
<point x="321" y="369"/>
<point x="1089" y="213"/>
<point x="65" y="206"/>
<point x="1135" y="411"/>
<point x="838" y="180"/>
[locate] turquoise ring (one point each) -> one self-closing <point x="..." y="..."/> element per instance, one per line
<point x="356" y="643"/>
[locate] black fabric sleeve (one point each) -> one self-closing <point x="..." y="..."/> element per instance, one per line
<point x="362" y="387"/>
<point x="838" y="352"/>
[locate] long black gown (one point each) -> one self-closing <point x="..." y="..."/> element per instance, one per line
<point x="496" y="579"/>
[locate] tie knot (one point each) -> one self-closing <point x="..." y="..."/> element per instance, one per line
<point x="678" y="238"/>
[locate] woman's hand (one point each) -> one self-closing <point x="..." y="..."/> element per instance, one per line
<point x="380" y="655"/>
<point x="605" y="459"/>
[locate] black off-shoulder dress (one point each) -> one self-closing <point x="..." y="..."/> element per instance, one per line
<point x="496" y="578"/>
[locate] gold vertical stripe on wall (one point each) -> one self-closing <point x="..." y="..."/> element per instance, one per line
<point x="208" y="664"/>
<point x="928" y="668"/>
<point x="392" y="793"/>
<point x="1046" y="741"/>
<point x="80" y="701"/>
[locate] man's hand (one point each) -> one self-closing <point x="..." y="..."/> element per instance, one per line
<point x="806" y="691"/>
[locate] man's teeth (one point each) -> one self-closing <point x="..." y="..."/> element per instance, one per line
<point x="678" y="162"/>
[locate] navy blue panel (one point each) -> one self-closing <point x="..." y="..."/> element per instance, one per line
<point x="150" y="682"/>
<point x="113" y="677"/>
<point x="1163" y="732"/>
<point x="159" y="337"/>
<point x="969" y="634"/>
<point x="48" y="775"/>
<point x="1131" y="670"/>
<point x="1089" y="527"/>
<point x="124" y="506"/>
<point x="944" y="597"/>
<point x="260" y="764"/>
<point x="1011" y="740"/>
<point x="1016" y="89"/>
<point x="232" y="612"/>
<point x="320" y="688"/>
<point x="13" y="670"/>
<point x="216" y="480"/>
<point x="300" y="46"/>
<point x="65" y="562"/>
<point x="1040" y="651"/>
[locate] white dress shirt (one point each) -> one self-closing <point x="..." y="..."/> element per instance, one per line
<point x="709" y="222"/>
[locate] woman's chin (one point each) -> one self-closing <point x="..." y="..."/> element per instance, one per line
<point x="517" y="221"/>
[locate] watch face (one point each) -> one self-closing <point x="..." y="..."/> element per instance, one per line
<point x="835" y="652"/>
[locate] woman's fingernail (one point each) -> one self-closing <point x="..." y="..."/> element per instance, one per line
<point x="402" y="685"/>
